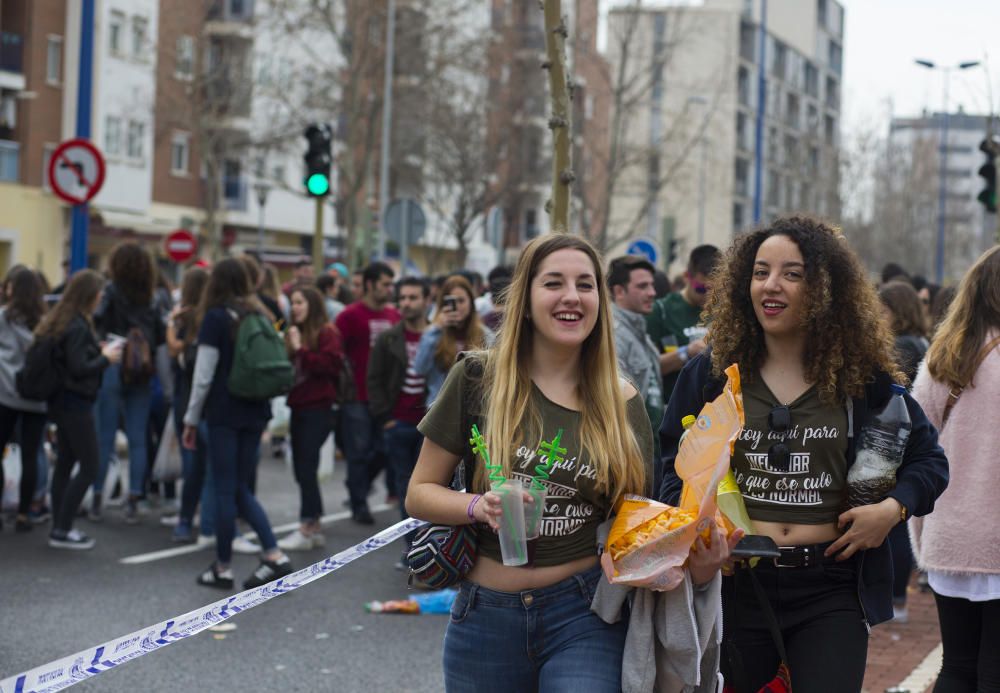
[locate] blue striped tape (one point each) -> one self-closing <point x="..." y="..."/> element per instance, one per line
<point x="63" y="673"/>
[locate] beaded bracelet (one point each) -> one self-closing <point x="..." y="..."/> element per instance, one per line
<point x="472" y="506"/>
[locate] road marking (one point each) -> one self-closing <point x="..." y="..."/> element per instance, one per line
<point x="195" y="548"/>
<point x="925" y="673"/>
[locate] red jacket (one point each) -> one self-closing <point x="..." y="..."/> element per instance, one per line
<point x="316" y="372"/>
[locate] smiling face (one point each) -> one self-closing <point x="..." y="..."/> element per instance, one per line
<point x="300" y="308"/>
<point x="564" y="299"/>
<point x="778" y="288"/>
<point x="638" y="295"/>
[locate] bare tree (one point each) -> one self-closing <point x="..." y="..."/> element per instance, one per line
<point x="560" y="121"/>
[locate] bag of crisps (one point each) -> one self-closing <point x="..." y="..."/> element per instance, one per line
<point x="649" y="542"/>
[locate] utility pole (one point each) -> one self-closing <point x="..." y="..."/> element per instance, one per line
<point x="80" y="215"/>
<point x="383" y="178"/>
<point x="758" y="158"/>
<point x="262" y="189"/>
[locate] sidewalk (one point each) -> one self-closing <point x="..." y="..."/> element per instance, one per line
<point x="895" y="650"/>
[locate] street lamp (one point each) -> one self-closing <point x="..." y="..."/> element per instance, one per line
<point x="262" y="189"/>
<point x="943" y="148"/>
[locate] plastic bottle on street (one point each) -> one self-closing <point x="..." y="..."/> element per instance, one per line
<point x="881" y="445"/>
<point x="437" y="602"/>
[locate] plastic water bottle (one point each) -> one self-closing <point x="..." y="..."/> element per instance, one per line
<point x="880" y="452"/>
<point x="438" y="602"/>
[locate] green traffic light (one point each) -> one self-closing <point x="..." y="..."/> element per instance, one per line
<point x="318" y="184"/>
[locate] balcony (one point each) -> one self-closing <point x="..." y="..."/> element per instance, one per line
<point x="9" y="161"/>
<point x="11" y="61"/>
<point x="232" y="18"/>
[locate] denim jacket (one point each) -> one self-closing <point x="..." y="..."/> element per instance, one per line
<point x="425" y="365"/>
<point x="921" y="478"/>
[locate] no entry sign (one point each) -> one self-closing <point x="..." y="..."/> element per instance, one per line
<point x="181" y="245"/>
<point x="76" y="171"/>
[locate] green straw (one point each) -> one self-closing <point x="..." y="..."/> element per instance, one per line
<point x="496" y="475"/>
<point x="552" y="453"/>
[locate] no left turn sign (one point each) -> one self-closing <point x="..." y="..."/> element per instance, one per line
<point x="76" y="171"/>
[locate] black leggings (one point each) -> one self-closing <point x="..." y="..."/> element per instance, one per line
<point x="77" y="443"/>
<point x="309" y="429"/>
<point x="818" y="612"/>
<point x="970" y="634"/>
<point x="32" y="428"/>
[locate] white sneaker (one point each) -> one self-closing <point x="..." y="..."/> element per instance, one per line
<point x="297" y="541"/>
<point x="241" y="544"/>
<point x="169" y="520"/>
<point x="204" y="541"/>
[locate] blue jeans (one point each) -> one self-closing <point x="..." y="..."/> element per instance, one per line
<point x="232" y="454"/>
<point x="133" y="403"/>
<point x="536" y="640"/>
<point x="364" y="448"/>
<point x="402" y="444"/>
<point x="197" y="479"/>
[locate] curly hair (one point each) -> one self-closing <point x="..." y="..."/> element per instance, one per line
<point x="133" y="272"/>
<point x="847" y="339"/>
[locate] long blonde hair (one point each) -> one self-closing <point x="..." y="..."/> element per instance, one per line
<point x="972" y="316"/>
<point x="605" y="434"/>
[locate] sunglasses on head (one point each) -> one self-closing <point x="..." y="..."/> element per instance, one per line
<point x="698" y="287"/>
<point x="778" y="455"/>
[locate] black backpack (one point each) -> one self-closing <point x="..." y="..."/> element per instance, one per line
<point x="42" y="375"/>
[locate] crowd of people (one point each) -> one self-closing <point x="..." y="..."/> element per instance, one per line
<point x="608" y="356"/>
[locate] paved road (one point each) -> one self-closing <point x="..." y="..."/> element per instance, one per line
<point x="54" y="603"/>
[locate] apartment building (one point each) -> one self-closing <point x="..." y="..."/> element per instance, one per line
<point x="693" y="133"/>
<point x="915" y="143"/>
<point x="518" y="93"/>
<point x="33" y="67"/>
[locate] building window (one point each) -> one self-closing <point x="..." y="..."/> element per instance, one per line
<point x="773" y="187"/>
<point x="278" y="174"/>
<point x="742" y="134"/>
<point x="112" y="136"/>
<point x="184" y="65"/>
<point x="116" y="26"/>
<point x="742" y="177"/>
<point x="743" y="86"/>
<point x="835" y="56"/>
<point x="531" y="229"/>
<point x="792" y="110"/>
<point x="812" y="79"/>
<point x="139" y="25"/>
<point x="814" y="160"/>
<point x="829" y="130"/>
<point x="737" y="217"/>
<point x="9" y="161"/>
<point x="780" y="60"/>
<point x="747" y="37"/>
<point x="180" y="153"/>
<point x="134" y="141"/>
<point x="821" y="12"/>
<point x="53" y="60"/>
<point x="832" y="93"/>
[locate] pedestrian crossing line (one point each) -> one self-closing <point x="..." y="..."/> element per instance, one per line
<point x="176" y="551"/>
<point x="925" y="673"/>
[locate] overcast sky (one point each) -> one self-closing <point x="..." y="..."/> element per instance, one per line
<point x="882" y="39"/>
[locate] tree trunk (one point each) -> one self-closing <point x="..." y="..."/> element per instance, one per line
<point x="560" y="122"/>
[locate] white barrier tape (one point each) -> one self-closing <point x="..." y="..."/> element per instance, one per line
<point x="85" y="664"/>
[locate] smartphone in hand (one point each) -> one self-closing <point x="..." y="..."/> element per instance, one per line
<point x="450" y="303"/>
<point x="756" y="545"/>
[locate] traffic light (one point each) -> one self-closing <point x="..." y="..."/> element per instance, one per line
<point x="318" y="159"/>
<point x="988" y="171"/>
<point x="671" y="251"/>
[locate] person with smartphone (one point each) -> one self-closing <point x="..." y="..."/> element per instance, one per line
<point x="457" y="327"/>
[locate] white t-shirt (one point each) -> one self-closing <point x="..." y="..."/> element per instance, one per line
<point x="976" y="587"/>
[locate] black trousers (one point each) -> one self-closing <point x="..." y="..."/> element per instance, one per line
<point x="77" y="444"/>
<point x="309" y="429"/>
<point x="821" y="622"/>
<point x="32" y="428"/>
<point x="970" y="635"/>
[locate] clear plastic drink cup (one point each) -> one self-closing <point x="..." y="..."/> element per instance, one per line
<point x="533" y="513"/>
<point x="513" y="540"/>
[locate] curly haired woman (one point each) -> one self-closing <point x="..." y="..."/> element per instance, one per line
<point x="794" y="309"/>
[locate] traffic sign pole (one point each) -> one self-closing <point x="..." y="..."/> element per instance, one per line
<point x="81" y="215"/>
